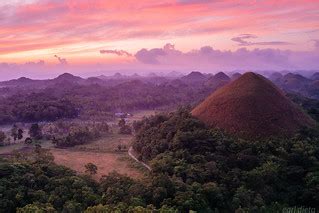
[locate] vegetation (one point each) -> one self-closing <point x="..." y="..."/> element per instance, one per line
<point x="97" y="102"/>
<point x="91" y="168"/>
<point x="193" y="168"/>
<point x="310" y="105"/>
<point x="35" y="107"/>
<point x="71" y="133"/>
<point x="206" y="169"/>
<point x="40" y="184"/>
<point x="124" y="128"/>
<point x="35" y="131"/>
<point x="2" y="138"/>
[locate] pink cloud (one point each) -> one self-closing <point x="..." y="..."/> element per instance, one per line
<point x="168" y="57"/>
<point x="78" y="21"/>
<point x="209" y="59"/>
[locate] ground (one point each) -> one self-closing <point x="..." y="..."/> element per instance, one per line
<point x="103" y="153"/>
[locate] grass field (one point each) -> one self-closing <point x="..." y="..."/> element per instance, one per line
<point x="103" y="153"/>
<point x="105" y="162"/>
<point x="107" y="144"/>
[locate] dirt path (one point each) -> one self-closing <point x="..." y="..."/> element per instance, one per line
<point x="130" y="153"/>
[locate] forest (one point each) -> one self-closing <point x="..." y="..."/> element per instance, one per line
<point x="93" y="101"/>
<point x="193" y="168"/>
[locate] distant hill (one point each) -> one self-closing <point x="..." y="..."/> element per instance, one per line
<point x="194" y="77"/>
<point x="67" y="77"/>
<point x="24" y="82"/>
<point x="294" y="82"/>
<point x="315" y="76"/>
<point x="218" y="80"/>
<point x="276" y="77"/>
<point x="235" y="76"/>
<point x="252" y="106"/>
<point x="174" y="74"/>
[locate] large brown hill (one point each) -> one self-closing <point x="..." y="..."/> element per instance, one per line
<point x="252" y="107"/>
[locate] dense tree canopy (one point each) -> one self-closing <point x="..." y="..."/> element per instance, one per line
<point x="93" y="101"/>
<point x="209" y="169"/>
<point x="35" y="107"/>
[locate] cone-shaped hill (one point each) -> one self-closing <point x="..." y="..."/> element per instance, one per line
<point x="252" y="107"/>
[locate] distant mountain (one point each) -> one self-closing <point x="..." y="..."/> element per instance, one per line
<point x="252" y="107"/>
<point x="294" y="82"/>
<point x="102" y="77"/>
<point x="221" y="76"/>
<point x="152" y="75"/>
<point x="94" y="80"/>
<point x="174" y="74"/>
<point x="23" y="82"/>
<point x="276" y="77"/>
<point x="67" y="77"/>
<point x="235" y="76"/>
<point x="312" y="90"/>
<point x="194" y="78"/>
<point x="135" y="75"/>
<point x="117" y="75"/>
<point x="315" y="76"/>
<point x="217" y="81"/>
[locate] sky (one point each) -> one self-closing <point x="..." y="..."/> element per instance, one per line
<point x="44" y="38"/>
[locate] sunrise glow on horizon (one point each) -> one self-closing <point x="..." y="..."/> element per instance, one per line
<point x="41" y="38"/>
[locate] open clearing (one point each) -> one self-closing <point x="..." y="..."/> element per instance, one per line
<point x="105" y="162"/>
<point x="103" y="152"/>
<point x="108" y="144"/>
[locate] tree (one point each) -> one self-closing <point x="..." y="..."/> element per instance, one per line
<point x="28" y="140"/>
<point x="37" y="207"/>
<point x="2" y="138"/>
<point x="119" y="147"/>
<point x="20" y="134"/>
<point x="91" y="168"/>
<point x="122" y="122"/>
<point x="35" y="131"/>
<point x="125" y="129"/>
<point x="14" y="132"/>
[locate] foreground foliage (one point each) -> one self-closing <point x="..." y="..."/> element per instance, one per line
<point x="206" y="169"/>
<point x="193" y="168"/>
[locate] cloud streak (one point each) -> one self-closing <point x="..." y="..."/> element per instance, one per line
<point x="62" y="61"/>
<point x="242" y="41"/>
<point x="116" y="52"/>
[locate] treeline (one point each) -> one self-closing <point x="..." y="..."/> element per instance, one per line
<point x="67" y="134"/>
<point x="206" y="169"/>
<point x="94" y="101"/>
<point x="35" y="107"/>
<point x="97" y="102"/>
